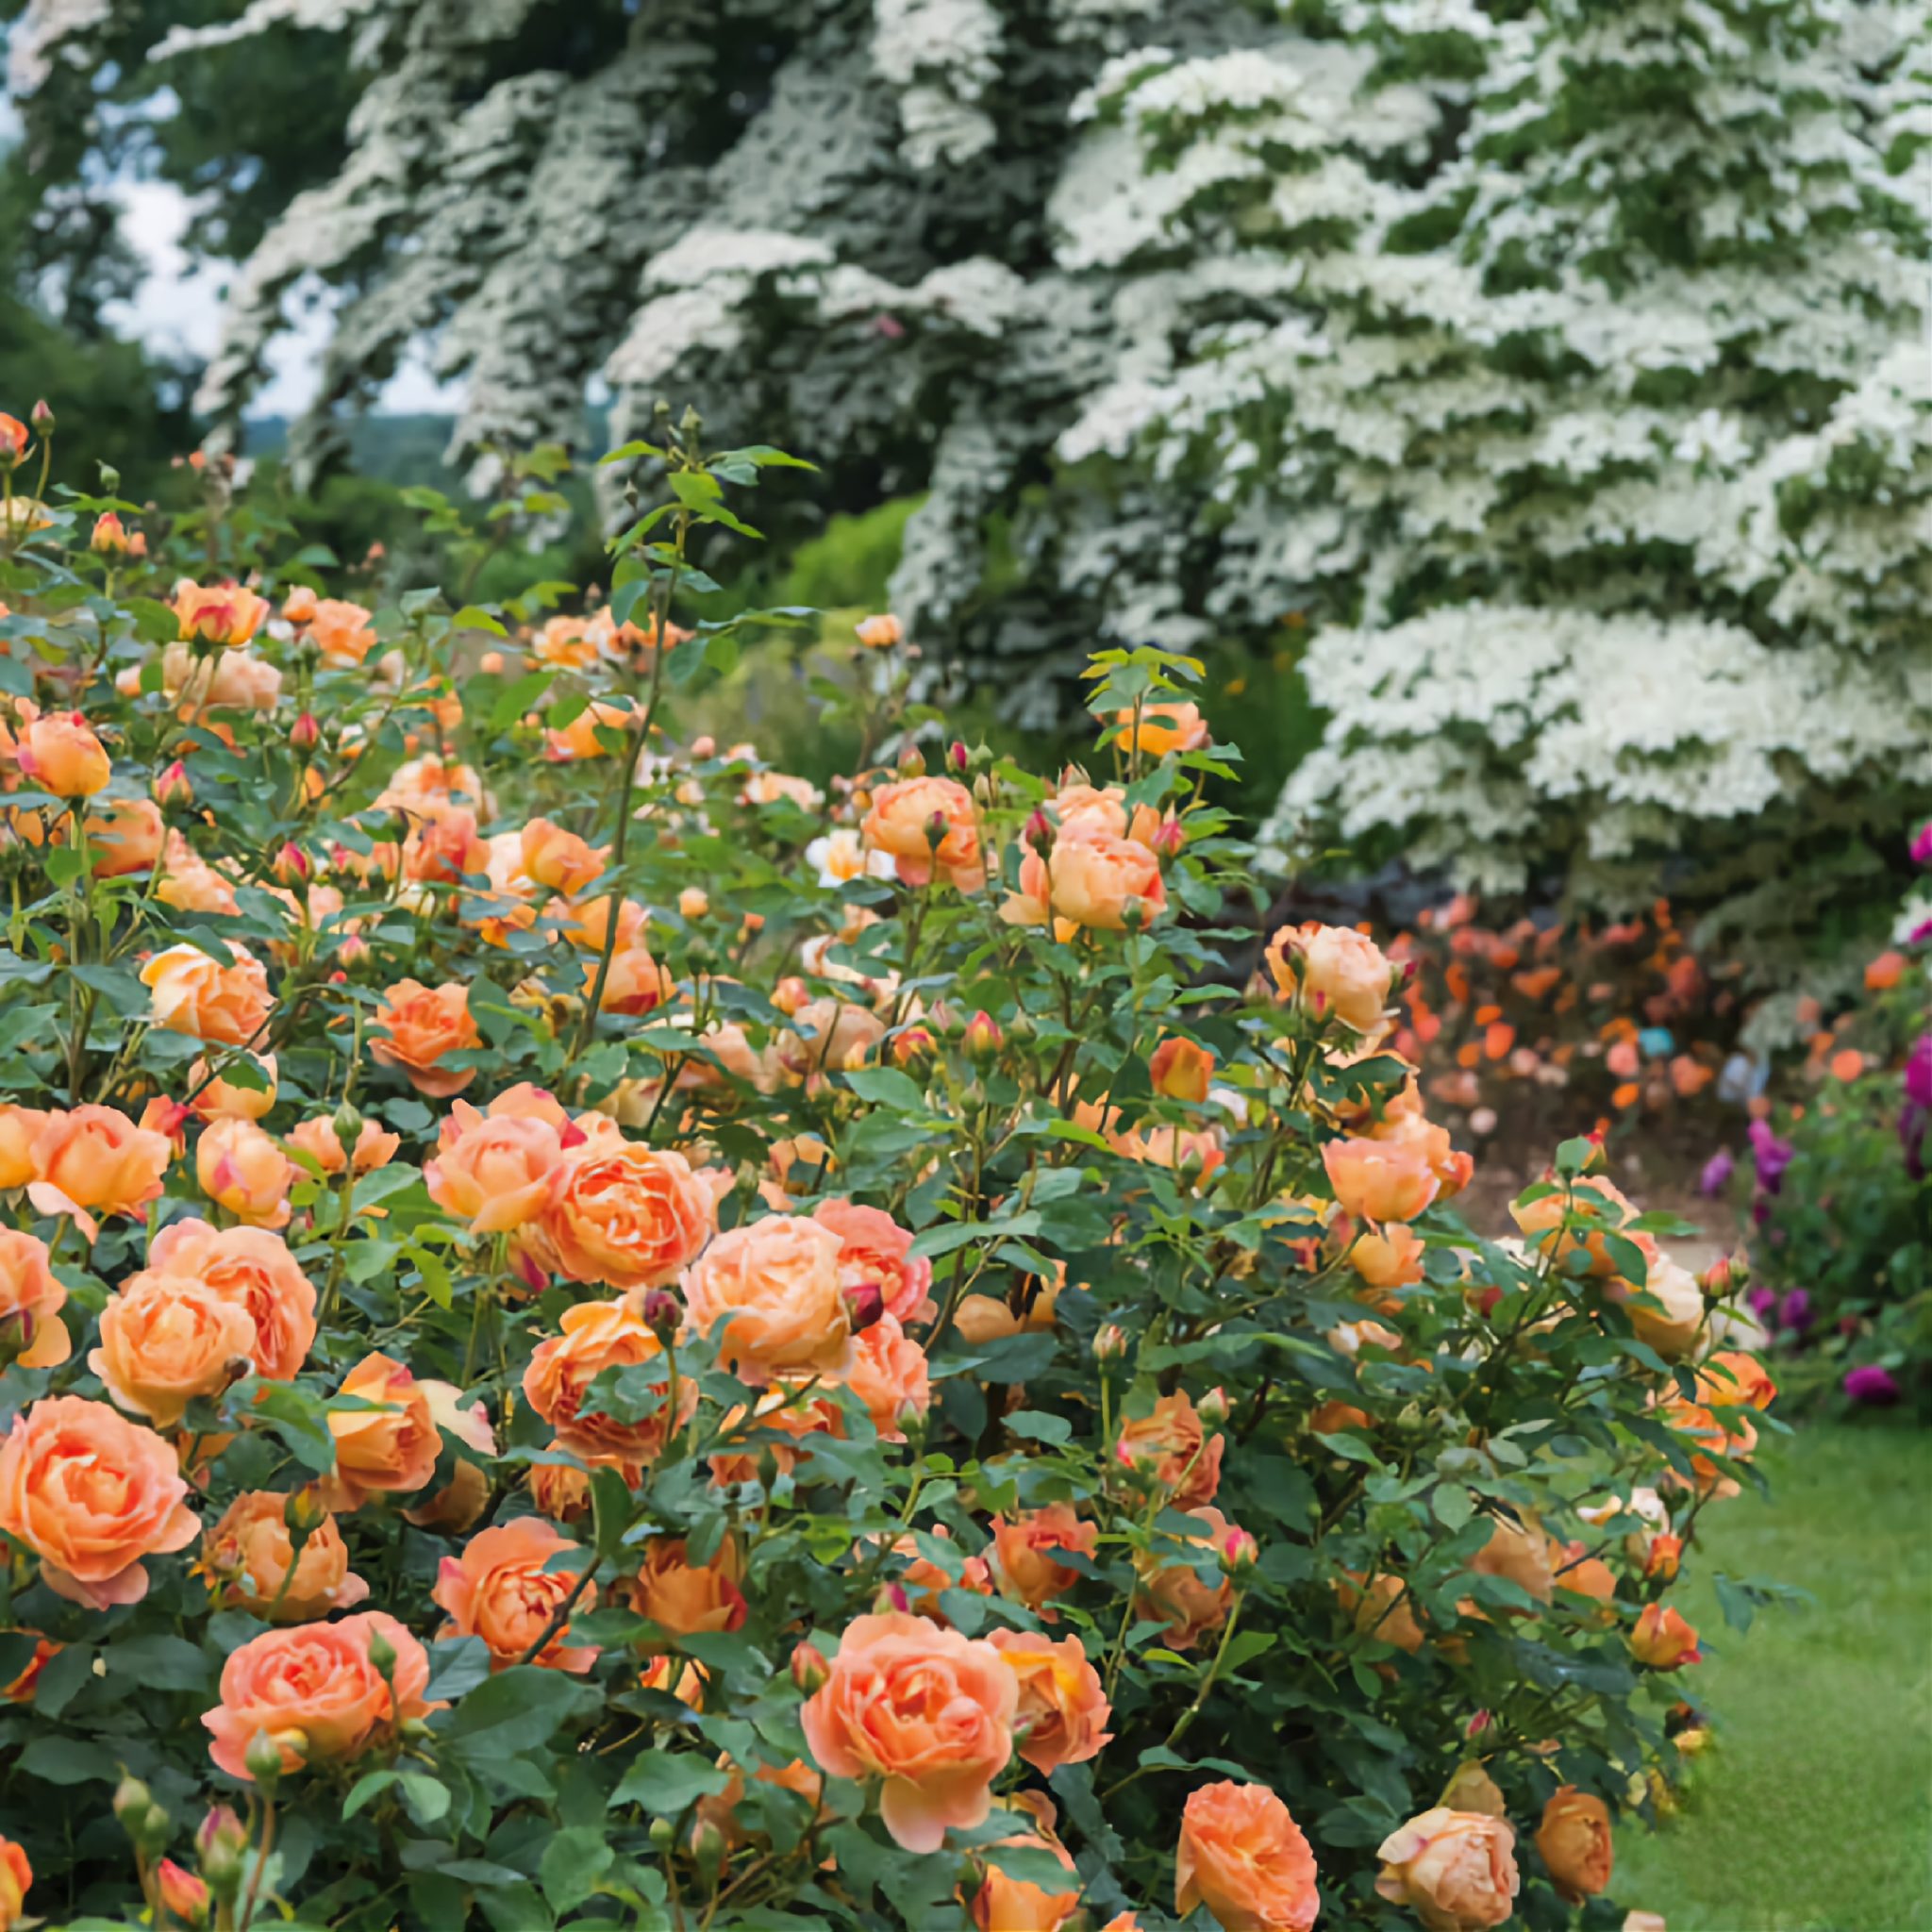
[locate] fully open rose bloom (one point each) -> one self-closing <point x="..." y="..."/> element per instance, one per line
<point x="1456" y="1869"/>
<point x="927" y="1710"/>
<point x="626" y="1214"/>
<point x="252" y="1268"/>
<point x="493" y="1173"/>
<point x="1593" y="1208"/>
<point x="391" y="1446"/>
<point x="1244" y="1858"/>
<point x="226" y="614"/>
<point x="190" y="992"/>
<point x="92" y="1493"/>
<point x="1574" y="1842"/>
<point x="1338" y="972"/>
<point x="1007" y="1904"/>
<point x="243" y="1168"/>
<point x="904" y="818"/>
<point x="598" y="1336"/>
<point x="419" y="1025"/>
<point x="1063" y="1710"/>
<point x="501" y="1590"/>
<point x="217" y="1099"/>
<point x="315" y="1693"/>
<point x="30" y="1301"/>
<point x="458" y="1505"/>
<point x="1172" y="1585"/>
<point x="1375" y="1180"/>
<point x="874" y="1248"/>
<point x="690" y="1597"/>
<point x="20" y="1127"/>
<point x="125" y="836"/>
<point x="1025" y="1553"/>
<point x="248" y="1554"/>
<point x="60" y="753"/>
<point x="165" y="1341"/>
<point x="96" y="1159"/>
<point x="770" y="1295"/>
<point x="890" y="1374"/>
<point x="1172" y="1450"/>
<point x="1088" y="881"/>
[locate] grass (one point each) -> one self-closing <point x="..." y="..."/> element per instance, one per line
<point x="1814" y="1812"/>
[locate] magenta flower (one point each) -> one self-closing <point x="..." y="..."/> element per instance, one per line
<point x="1922" y="844"/>
<point x="1872" y="1386"/>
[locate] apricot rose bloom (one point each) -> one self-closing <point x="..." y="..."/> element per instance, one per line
<point x="92" y="1493"/>
<point x="317" y="1138"/>
<point x="1063" y="1710"/>
<point x="31" y="1302"/>
<point x="889" y="1375"/>
<point x="250" y="1552"/>
<point x="315" y="1693"/>
<point x="226" y="614"/>
<point x="1338" y="972"/>
<point x="252" y="1268"/>
<point x="690" y="1597"/>
<point x="1574" y="1842"/>
<point x="504" y="1590"/>
<point x="95" y="1158"/>
<point x="1174" y="1590"/>
<point x="391" y="1446"/>
<point x="1377" y="1181"/>
<point x="1173" y="1450"/>
<point x="126" y="836"/>
<point x="1244" y="1858"/>
<point x="215" y="1098"/>
<point x="626" y="1214"/>
<point x="60" y="753"/>
<point x="927" y="1710"/>
<point x="1090" y="881"/>
<point x="1733" y="1380"/>
<point x="598" y="1336"/>
<point x="874" y="1248"/>
<point x="190" y="992"/>
<point x="20" y="1127"/>
<point x="165" y="1341"/>
<point x="16" y="1877"/>
<point x="243" y="1168"/>
<point x="770" y="1293"/>
<point x="1662" y="1638"/>
<point x="340" y="630"/>
<point x="1455" y="1869"/>
<point x="1181" y="1070"/>
<point x="493" y="1173"/>
<point x="1024" y="1562"/>
<point x="904" y="815"/>
<point x="1161" y="728"/>
<point x="420" y="1024"/>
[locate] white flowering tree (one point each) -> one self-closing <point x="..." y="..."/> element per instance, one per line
<point x="1562" y="362"/>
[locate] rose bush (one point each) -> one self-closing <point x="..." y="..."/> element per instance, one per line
<point x="566" y="1363"/>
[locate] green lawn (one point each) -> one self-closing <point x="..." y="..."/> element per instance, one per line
<point x="1814" y="1812"/>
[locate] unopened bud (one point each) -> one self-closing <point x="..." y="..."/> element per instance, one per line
<point x="662" y="1833"/>
<point x="1240" y="1553"/>
<point x="305" y="734"/>
<point x="110" y="536"/>
<point x="1213" y="1408"/>
<point x="347" y="1122"/>
<point x="660" y="1312"/>
<point x="219" y="1828"/>
<point x="291" y="863"/>
<point x="16" y="1334"/>
<point x="912" y="762"/>
<point x="864" y="1303"/>
<point x="1728" y="1275"/>
<point x="957" y="758"/>
<point x="1477" y="1724"/>
<point x="707" y="1849"/>
<point x="982" y="1038"/>
<point x="1038" y="832"/>
<point x="915" y="1043"/>
<point x="382" y="1654"/>
<point x="132" y="1802"/>
<point x="173" y="786"/>
<point x="41" y="417"/>
<point x="303" y="1513"/>
<point x="182" y="1893"/>
<point x="936" y="827"/>
<point x="809" y="1669"/>
<point x="1109" y="1343"/>
<point x="1168" y="838"/>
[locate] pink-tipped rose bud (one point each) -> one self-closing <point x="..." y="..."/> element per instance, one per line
<point x="305" y="734"/>
<point x="1037" y="831"/>
<point x="219" y="1828"/>
<point x="660" y="1312"/>
<point x="982" y="1038"/>
<point x="291" y="863"/>
<point x="703" y="747"/>
<point x="809" y="1669"/>
<point x="16" y="1334"/>
<point x="110" y="536"/>
<point x="173" y="786"/>
<point x="864" y="1303"/>
<point x="1238" y="1553"/>
<point x="1213" y="1408"/>
<point x="41" y="416"/>
<point x="957" y="756"/>
<point x="915" y="1043"/>
<point x="1109" y="1343"/>
<point x="912" y="762"/>
<point x="182" y="1893"/>
<point x="1168" y="838"/>
<point x="937" y="828"/>
<point x="1477" y="1724"/>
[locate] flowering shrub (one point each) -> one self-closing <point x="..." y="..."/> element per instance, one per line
<point x="570" y="1363"/>
<point x="1839" y="1187"/>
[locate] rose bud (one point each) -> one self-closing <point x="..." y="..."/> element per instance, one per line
<point x="957" y="755"/>
<point x="41" y="417"/>
<point x="1213" y="1408"/>
<point x="382" y="1654"/>
<point x="1109" y="1343"/>
<point x="809" y="1669"/>
<point x="1168" y="839"/>
<point x="1238" y="1553"/>
<point x="660" y="1312"/>
<point x="291" y="863"/>
<point x="1038" y="831"/>
<point x="174" y="787"/>
<point x="132" y="1802"/>
<point x="16" y="1334"/>
<point x="304" y="733"/>
<point x="911" y="763"/>
<point x="221" y="1827"/>
<point x="182" y="1893"/>
<point x="982" y="1038"/>
<point x="865" y="1303"/>
<point x="110" y="536"/>
<point x="1179" y="1070"/>
<point x="915" y="1043"/>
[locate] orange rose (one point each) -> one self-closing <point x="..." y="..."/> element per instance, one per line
<point x="771" y="1294"/>
<point x="125" y="836"/>
<point x="1176" y="1590"/>
<point x="558" y="861"/>
<point x="1390" y="1260"/>
<point x="1089" y="881"/>
<point x="20" y="1127"/>
<point x="192" y="994"/>
<point x="458" y="1505"/>
<point x="97" y="1157"/>
<point x="92" y="1493"/>
<point x="220" y="1099"/>
<point x="1733" y="1380"/>
<point x="1244" y="1858"/>
<point x="1455" y="1869"/>
<point x="928" y="1710"/>
<point x="390" y="1447"/>
<point x="501" y="1590"/>
<point x="918" y="1587"/>
<point x="1380" y="1608"/>
<point x="251" y="1555"/>
<point x="598" y="1336"/>
<point x="421" y="1024"/>
<point x="1180" y="1070"/>
<point x="496" y="1175"/>
<point x="888" y="1374"/>
<point x="318" y="1139"/>
<point x="165" y="1341"/>
<point x="60" y="753"/>
<point x="626" y="1214"/>
<point x="1023" y="1553"/>
<point x="1338" y="972"/>
<point x="340" y="630"/>
<point x="1004" y="1904"/>
<point x="16" y="1877"/>
<point x="1595" y="1207"/>
<point x="688" y="1597"/>
<point x="224" y="614"/>
<point x="1517" y="1555"/>
<point x="1379" y="1181"/>
<point x="314" y="1691"/>
<point x="22" y="1689"/>
<point x="1163" y="728"/>
<point x="635" y="983"/>
<point x="1662" y="1639"/>
<point x="826" y="1036"/>
<point x="252" y="1268"/>
<point x="904" y="816"/>
<point x="243" y="1169"/>
<point x="1574" y="1842"/>
<point x="1170" y="1447"/>
<point x="1063" y="1711"/>
<point x="30" y="1302"/>
<point x="580" y="737"/>
<point x="873" y="1249"/>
